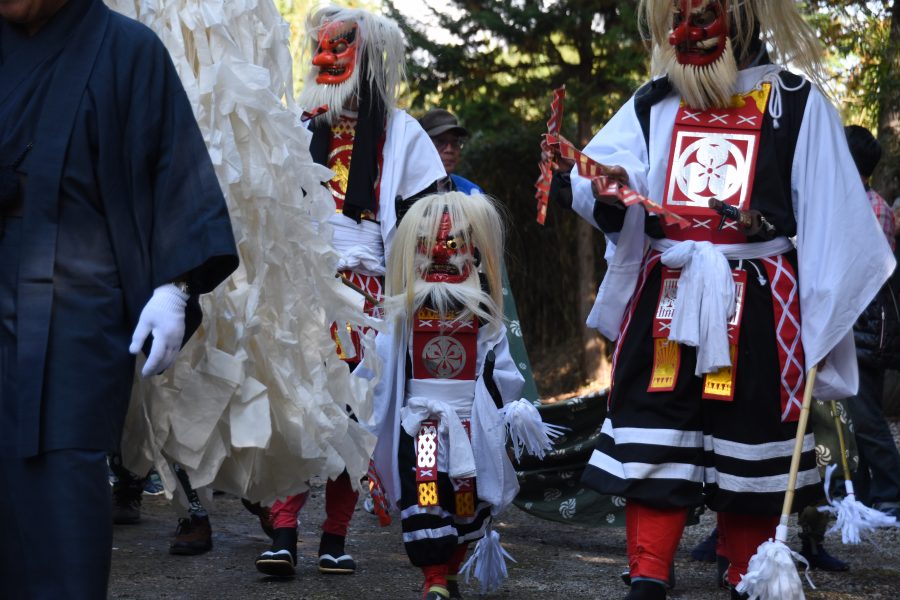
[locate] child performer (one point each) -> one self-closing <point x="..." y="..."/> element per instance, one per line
<point x="450" y="390"/>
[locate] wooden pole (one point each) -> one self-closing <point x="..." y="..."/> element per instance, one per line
<point x="840" y="432"/>
<point x="356" y="288"/>
<point x="798" y="445"/>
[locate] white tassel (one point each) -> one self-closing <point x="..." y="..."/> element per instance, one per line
<point x="527" y="431"/>
<point x="852" y="516"/>
<point x="487" y="563"/>
<point x="772" y="573"/>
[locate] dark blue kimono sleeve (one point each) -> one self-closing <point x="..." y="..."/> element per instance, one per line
<point x="192" y="236"/>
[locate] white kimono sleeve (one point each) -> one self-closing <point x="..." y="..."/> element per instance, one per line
<point x="619" y="143"/>
<point x="411" y="163"/>
<point x="843" y="256"/>
<point x="497" y="482"/>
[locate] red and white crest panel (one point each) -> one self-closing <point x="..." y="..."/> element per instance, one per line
<point x="713" y="155"/>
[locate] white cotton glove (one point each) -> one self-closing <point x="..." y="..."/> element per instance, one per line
<point x="163" y="316"/>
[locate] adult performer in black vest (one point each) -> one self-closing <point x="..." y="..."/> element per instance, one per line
<point x="710" y="358"/>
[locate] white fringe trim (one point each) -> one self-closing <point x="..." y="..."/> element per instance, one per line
<point x="853" y="518"/>
<point x="527" y="431"/>
<point x="772" y="574"/>
<point x="487" y="563"/>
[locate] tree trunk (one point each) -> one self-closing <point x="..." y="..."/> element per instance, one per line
<point x="887" y="178"/>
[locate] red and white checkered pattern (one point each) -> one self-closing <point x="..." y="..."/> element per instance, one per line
<point x="373" y="284"/>
<point x="786" y="306"/>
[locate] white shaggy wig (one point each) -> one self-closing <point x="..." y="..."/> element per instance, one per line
<point x="380" y="58"/>
<point x="789" y="37"/>
<point x="703" y="86"/>
<point x="477" y="224"/>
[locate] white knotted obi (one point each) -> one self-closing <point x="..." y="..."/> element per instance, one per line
<point x="450" y="402"/>
<point x="359" y="245"/>
<point x="705" y="298"/>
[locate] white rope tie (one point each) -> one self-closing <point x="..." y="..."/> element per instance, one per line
<point x="775" y="96"/>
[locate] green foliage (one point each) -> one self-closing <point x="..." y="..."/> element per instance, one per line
<point x="856" y="36"/>
<point x="497" y="72"/>
<point x="505" y="58"/>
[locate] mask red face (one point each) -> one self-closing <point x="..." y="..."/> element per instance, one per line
<point x="445" y="255"/>
<point x="699" y="31"/>
<point x="336" y="53"/>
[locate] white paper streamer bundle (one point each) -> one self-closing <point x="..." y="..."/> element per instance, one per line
<point x="853" y="518"/>
<point x="487" y="563"/>
<point x="772" y="572"/>
<point x="257" y="402"/>
<point x="527" y="431"/>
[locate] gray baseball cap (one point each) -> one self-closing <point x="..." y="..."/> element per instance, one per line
<point x="437" y="121"/>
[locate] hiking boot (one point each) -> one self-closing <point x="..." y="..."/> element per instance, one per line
<point x="705" y="551"/>
<point x="647" y="590"/>
<point x="153" y="485"/>
<point x="126" y="499"/>
<point x="819" y="558"/>
<point x="193" y="535"/>
<point x="281" y="558"/>
<point x="332" y="558"/>
<point x="263" y="514"/>
<point x="890" y="509"/>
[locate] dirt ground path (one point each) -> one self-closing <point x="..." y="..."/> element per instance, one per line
<point x="555" y="562"/>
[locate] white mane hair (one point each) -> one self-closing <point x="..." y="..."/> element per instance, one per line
<point x="477" y="223"/>
<point x="790" y="39"/>
<point x="703" y="86"/>
<point x="381" y="51"/>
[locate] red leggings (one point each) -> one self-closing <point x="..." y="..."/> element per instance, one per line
<point x="653" y="536"/>
<point x="739" y="537"/>
<point x="340" y="500"/>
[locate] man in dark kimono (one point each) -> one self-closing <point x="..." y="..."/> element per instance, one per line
<point x="111" y="223"/>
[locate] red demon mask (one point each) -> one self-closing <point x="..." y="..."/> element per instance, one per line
<point x="336" y="52"/>
<point x="699" y="31"/>
<point x="447" y="253"/>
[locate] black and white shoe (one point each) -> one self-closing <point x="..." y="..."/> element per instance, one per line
<point x="340" y="565"/>
<point x="436" y="592"/>
<point x="332" y="558"/>
<point x="281" y="558"/>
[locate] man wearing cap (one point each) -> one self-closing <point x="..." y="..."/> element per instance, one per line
<point x="449" y="137"/>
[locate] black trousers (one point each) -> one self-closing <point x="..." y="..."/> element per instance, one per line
<point x="431" y="534"/>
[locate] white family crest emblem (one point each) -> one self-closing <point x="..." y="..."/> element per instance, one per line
<point x="710" y="165"/>
<point x="444" y="357"/>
